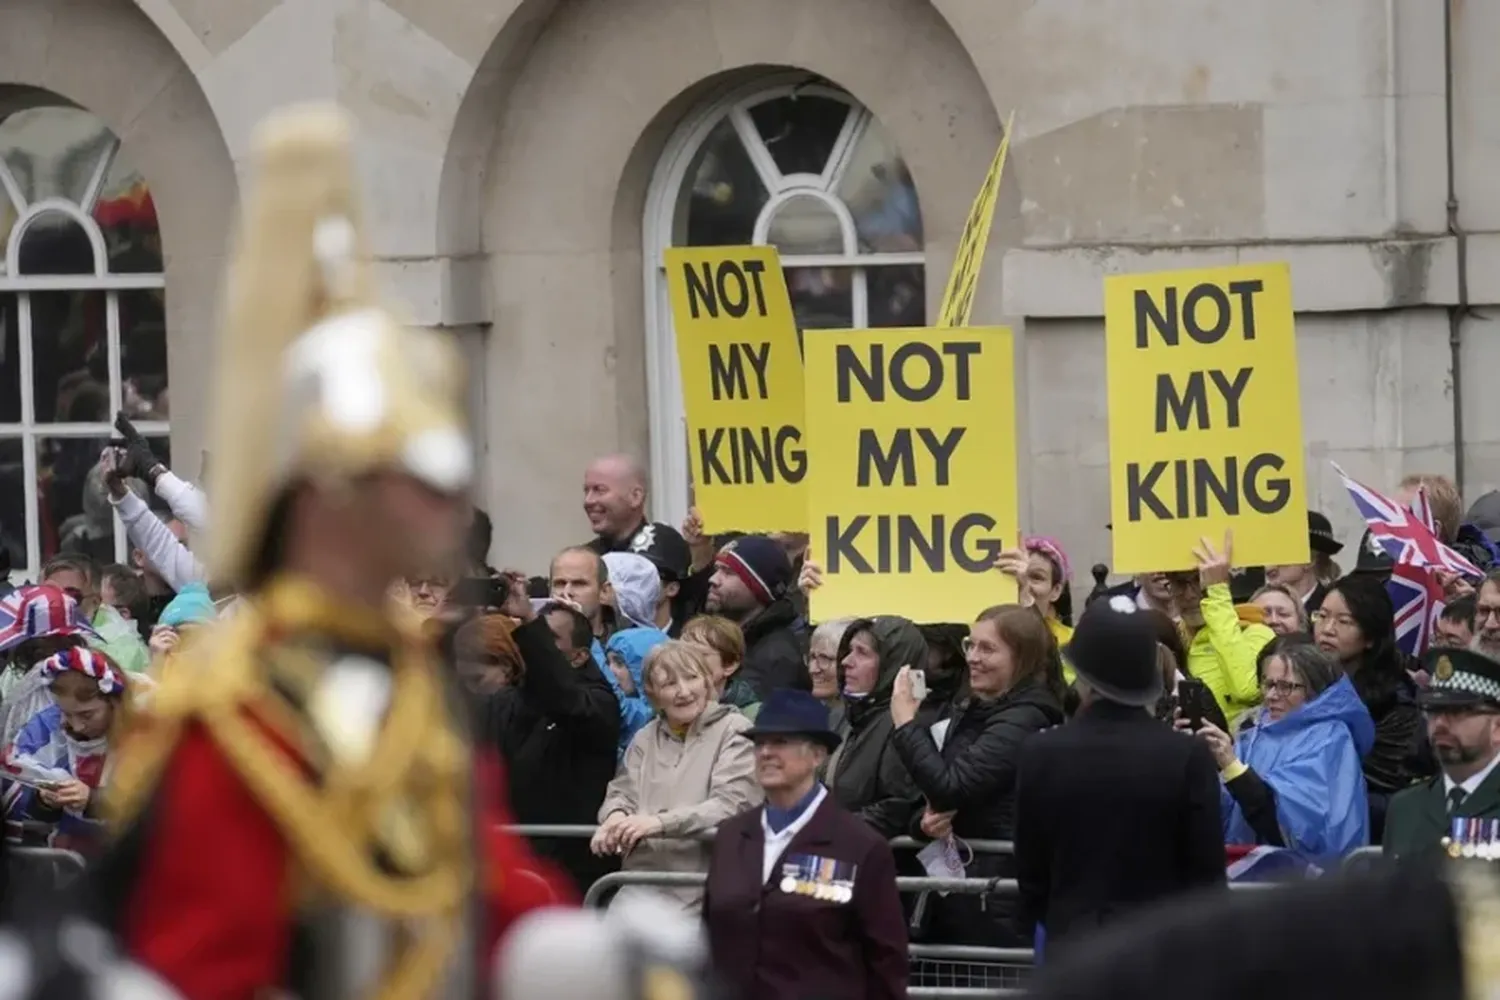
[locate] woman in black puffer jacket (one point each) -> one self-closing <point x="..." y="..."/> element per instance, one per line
<point x="965" y="765"/>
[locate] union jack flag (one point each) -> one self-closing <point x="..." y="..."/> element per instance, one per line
<point x="1408" y="536"/>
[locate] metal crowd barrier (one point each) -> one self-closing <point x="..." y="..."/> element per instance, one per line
<point x="939" y="972"/>
<point x="42" y="869"/>
<point x="567" y="830"/>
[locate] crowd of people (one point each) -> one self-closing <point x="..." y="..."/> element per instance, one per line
<point x="659" y="684"/>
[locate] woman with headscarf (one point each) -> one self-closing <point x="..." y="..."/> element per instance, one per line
<point x="44" y="621"/>
<point x="865" y="773"/>
<point x="59" y="760"/>
<point x="636" y="586"/>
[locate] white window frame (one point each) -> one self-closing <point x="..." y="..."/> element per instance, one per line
<point x="667" y="422"/>
<point x="28" y="430"/>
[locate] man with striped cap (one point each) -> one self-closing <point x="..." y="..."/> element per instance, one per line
<point x="1458" y="811"/>
<point x="751" y="586"/>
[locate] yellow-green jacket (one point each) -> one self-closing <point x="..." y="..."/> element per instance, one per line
<point x="1222" y="653"/>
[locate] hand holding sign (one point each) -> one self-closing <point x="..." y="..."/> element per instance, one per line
<point x="810" y="577"/>
<point x="1013" y="563"/>
<point x="1214" y="567"/>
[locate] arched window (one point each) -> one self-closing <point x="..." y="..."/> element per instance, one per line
<point x="82" y="329"/>
<point x="802" y="166"/>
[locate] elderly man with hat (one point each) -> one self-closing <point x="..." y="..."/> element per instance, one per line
<point x="1459" y="809"/>
<point x="1114" y="811"/>
<point x="801" y="899"/>
<point x="751" y="586"/>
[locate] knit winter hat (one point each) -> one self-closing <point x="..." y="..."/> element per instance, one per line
<point x="191" y="606"/>
<point x="761" y="562"/>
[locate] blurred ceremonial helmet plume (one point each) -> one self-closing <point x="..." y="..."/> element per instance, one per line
<point x="317" y="382"/>
<point x="642" y="949"/>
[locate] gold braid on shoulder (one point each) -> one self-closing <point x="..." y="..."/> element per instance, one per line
<point x="389" y="835"/>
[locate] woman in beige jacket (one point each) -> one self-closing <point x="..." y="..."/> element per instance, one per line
<point x="687" y="771"/>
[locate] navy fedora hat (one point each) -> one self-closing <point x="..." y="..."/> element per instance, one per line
<point x="789" y="712"/>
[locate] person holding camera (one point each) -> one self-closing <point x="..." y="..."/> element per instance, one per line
<point x="1292" y="778"/>
<point x="159" y="544"/>
<point x="965" y="765"/>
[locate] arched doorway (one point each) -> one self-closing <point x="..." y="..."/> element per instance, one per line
<point x="799" y="164"/>
<point x="82" y="326"/>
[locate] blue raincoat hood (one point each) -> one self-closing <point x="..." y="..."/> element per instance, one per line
<point x="1311" y="758"/>
<point x="633" y="644"/>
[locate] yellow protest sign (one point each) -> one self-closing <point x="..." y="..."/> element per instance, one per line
<point x="958" y="298"/>
<point x="741" y="387"/>
<point x="1205" y="427"/>
<point x="912" y="458"/>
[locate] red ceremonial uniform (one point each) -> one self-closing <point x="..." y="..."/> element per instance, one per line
<point x="211" y="888"/>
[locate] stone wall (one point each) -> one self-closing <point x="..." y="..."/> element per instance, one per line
<point x="507" y="147"/>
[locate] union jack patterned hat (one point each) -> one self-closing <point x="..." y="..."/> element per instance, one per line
<point x="90" y="663"/>
<point x="40" y="612"/>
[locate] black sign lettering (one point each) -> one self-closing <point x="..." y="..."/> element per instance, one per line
<point x="744" y="456"/>
<point x="1205" y="312"/>
<point x="1190" y="405"/>
<point x="1246" y="291"/>
<point x="1269" y="495"/>
<point x="726" y="375"/>
<point x="917" y="371"/>
<point x="1181" y="407"/>
<point x="1231" y="391"/>
<point x="901" y="456"/>
<point x="903" y="542"/>
<point x="734" y="287"/>
<point x="839" y="544"/>
<point x="1202" y="487"/>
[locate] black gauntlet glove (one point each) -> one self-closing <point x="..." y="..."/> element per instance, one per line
<point x="140" y="461"/>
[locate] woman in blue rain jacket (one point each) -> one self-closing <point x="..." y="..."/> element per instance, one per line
<point x="1293" y="778"/>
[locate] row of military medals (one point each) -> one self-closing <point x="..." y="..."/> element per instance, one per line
<point x="821" y="878"/>
<point x="1469" y="837"/>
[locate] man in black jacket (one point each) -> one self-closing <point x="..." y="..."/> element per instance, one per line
<point x="558" y="730"/>
<point x="1114" y="811"/>
<point x="752" y="576"/>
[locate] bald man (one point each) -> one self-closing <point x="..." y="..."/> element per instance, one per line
<point x="614" y="501"/>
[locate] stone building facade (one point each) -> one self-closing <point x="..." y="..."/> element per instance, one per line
<point x="527" y="160"/>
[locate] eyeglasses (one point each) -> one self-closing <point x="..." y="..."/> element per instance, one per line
<point x="967" y="646"/>
<point x="1283" y="688"/>
<point x="827" y="659"/>
<point x="1341" y="621"/>
<point x="1483" y="612"/>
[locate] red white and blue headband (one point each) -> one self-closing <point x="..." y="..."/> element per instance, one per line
<point x="89" y="662"/>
